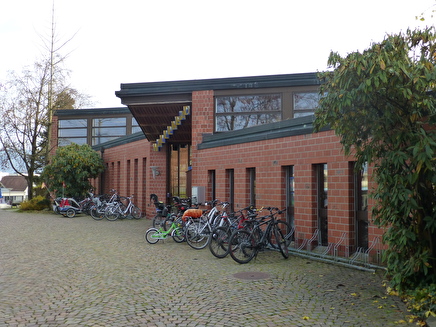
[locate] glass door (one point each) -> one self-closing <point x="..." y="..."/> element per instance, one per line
<point x="179" y="166"/>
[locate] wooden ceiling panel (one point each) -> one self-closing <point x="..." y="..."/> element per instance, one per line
<point x="154" y="119"/>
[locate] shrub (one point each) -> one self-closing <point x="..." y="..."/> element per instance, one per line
<point x="422" y="301"/>
<point x="37" y="203"/>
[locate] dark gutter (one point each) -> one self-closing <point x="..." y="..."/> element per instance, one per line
<point x="92" y="111"/>
<point x="188" y="86"/>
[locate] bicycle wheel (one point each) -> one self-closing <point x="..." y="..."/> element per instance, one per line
<point x="178" y="235"/>
<point x="112" y="213"/>
<point x="242" y="246"/>
<point x="197" y="235"/>
<point x="281" y="242"/>
<point x="284" y="227"/>
<point x="122" y="210"/>
<point x="150" y="235"/>
<point x="219" y="240"/>
<point x="70" y="213"/>
<point x="96" y="213"/>
<point x="136" y="212"/>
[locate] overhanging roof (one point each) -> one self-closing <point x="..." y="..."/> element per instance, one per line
<point x="135" y="93"/>
<point x="154" y="105"/>
<point x="154" y="119"/>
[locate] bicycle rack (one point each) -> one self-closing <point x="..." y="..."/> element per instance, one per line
<point x="337" y="245"/>
<point x="314" y="238"/>
<point x="360" y="259"/>
<point x="363" y="255"/>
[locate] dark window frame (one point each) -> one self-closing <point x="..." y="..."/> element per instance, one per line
<point x="286" y="93"/>
<point x="131" y="127"/>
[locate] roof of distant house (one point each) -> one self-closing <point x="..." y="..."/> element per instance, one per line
<point x="15" y="183"/>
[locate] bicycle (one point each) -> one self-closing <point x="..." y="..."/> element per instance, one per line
<point x="245" y="244"/>
<point x="218" y="244"/>
<point x="164" y="213"/>
<point x="198" y="232"/>
<point x="154" y="235"/>
<point x="121" y="210"/>
<point x="97" y="211"/>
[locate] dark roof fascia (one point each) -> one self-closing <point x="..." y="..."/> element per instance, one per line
<point x="136" y="90"/>
<point x="92" y="111"/>
<point x="120" y="141"/>
<point x="285" y="128"/>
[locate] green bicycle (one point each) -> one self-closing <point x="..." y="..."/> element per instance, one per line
<point x="176" y="231"/>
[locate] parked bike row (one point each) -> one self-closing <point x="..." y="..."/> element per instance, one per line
<point x="110" y="206"/>
<point x="242" y="234"/>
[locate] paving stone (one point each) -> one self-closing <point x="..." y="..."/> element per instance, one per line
<point x="57" y="271"/>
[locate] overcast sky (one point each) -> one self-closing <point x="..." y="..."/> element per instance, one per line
<point x="163" y="40"/>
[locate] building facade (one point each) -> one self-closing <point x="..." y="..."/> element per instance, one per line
<point x="246" y="140"/>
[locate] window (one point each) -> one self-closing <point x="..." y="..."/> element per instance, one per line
<point x="305" y="103"/>
<point x="72" y="131"/>
<point x="106" y="129"/>
<point x="238" y="112"/>
<point x="135" y="126"/>
<point x="321" y="172"/>
<point x="92" y="130"/>
<point x="62" y="141"/>
<point x="251" y="175"/>
<point x="238" y="109"/>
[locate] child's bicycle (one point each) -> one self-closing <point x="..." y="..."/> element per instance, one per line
<point x="176" y="231"/>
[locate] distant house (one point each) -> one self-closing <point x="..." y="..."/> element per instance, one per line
<point x="13" y="189"/>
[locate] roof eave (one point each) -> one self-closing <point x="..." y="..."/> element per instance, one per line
<point x="188" y="86"/>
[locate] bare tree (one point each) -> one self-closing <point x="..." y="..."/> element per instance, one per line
<point x="27" y="101"/>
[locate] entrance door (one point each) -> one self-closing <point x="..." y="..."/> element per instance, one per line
<point x="361" y="207"/>
<point x="179" y="166"/>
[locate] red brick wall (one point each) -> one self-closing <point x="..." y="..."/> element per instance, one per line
<point x="128" y="170"/>
<point x="125" y="171"/>
<point x="270" y="158"/>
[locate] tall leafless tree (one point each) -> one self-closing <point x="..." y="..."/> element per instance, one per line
<point x="27" y="101"/>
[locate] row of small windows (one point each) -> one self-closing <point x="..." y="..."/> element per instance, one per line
<point x="238" y="112"/>
<point x="101" y="130"/>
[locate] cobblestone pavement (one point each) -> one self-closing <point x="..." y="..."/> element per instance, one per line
<point x="57" y="271"/>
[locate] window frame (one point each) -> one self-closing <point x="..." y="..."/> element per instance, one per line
<point x="130" y="125"/>
<point x="287" y="98"/>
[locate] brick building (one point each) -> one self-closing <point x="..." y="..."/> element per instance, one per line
<point x="246" y="140"/>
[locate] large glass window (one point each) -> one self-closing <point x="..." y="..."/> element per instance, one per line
<point x="106" y="129"/>
<point x="98" y="130"/>
<point x="238" y="112"/>
<point x="72" y="131"/>
<point x="305" y="103"/>
<point x="239" y="109"/>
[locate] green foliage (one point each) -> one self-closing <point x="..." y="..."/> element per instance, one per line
<point x="422" y="301"/>
<point x="72" y="165"/>
<point x="36" y="203"/>
<point x="380" y="103"/>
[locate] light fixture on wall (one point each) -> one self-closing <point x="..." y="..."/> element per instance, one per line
<point x="155" y="171"/>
